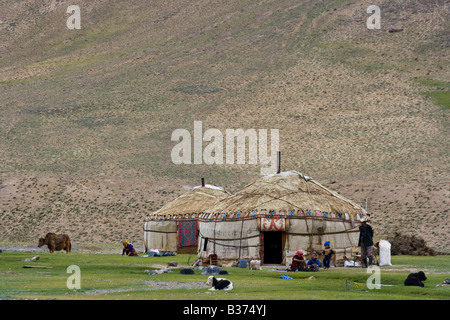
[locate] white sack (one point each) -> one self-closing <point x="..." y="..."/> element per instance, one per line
<point x="385" y="253"/>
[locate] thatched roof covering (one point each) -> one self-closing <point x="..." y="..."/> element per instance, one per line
<point x="194" y="201"/>
<point x="286" y="191"/>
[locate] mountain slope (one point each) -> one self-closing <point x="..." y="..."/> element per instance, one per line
<point x="354" y="106"/>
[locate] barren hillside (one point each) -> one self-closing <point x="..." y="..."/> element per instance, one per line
<point x="86" y="116"/>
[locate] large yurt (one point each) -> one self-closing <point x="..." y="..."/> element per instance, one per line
<point x="174" y="227"/>
<point x="275" y="216"/>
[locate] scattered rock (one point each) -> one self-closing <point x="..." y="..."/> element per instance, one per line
<point x="160" y="271"/>
<point x="172" y="264"/>
<point x="150" y="272"/>
<point x="445" y="283"/>
<point x="187" y="271"/>
<point x="392" y="30"/>
<point x="165" y="285"/>
<point x="212" y="270"/>
<point x="35" y="258"/>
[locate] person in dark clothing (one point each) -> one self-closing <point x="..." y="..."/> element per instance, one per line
<point x="328" y="252"/>
<point x="298" y="261"/>
<point x="313" y="263"/>
<point x="365" y="242"/>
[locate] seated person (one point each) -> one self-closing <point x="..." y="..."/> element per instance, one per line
<point x="298" y="261"/>
<point x="313" y="263"/>
<point x="128" y="249"/>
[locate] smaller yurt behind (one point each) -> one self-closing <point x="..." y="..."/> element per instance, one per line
<point x="275" y="216"/>
<point x="174" y="227"/>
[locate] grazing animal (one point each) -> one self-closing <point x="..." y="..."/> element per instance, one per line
<point x="219" y="284"/>
<point x="56" y="242"/>
<point x="415" y="279"/>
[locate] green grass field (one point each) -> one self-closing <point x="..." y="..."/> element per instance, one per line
<point x="111" y="276"/>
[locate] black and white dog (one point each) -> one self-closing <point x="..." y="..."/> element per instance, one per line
<point x="219" y="284"/>
<point x="415" y="279"/>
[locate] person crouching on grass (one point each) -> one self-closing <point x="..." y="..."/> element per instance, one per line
<point x="128" y="249"/>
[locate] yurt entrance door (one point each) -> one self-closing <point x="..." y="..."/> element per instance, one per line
<point x="272" y="248"/>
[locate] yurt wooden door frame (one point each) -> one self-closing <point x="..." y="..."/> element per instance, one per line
<point x="273" y="239"/>
<point x="272" y="244"/>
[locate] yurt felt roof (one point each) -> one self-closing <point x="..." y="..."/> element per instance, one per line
<point x="195" y="200"/>
<point x="285" y="191"/>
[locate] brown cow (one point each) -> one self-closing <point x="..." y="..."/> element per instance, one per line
<point x="56" y="242"/>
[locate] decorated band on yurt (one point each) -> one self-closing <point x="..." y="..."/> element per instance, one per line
<point x="275" y="216"/>
<point x="174" y="227"/>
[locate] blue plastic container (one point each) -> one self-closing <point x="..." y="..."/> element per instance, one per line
<point x="242" y="263"/>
